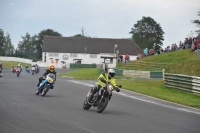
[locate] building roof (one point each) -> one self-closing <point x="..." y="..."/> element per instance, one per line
<point x="89" y="45"/>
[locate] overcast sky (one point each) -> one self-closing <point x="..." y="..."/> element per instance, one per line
<point x="100" y="18"/>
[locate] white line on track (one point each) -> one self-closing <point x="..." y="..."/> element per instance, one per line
<point x="186" y="109"/>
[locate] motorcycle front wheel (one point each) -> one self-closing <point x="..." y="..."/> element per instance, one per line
<point x="86" y="106"/>
<point x="37" y="92"/>
<point x="45" y="90"/>
<point x="102" y="105"/>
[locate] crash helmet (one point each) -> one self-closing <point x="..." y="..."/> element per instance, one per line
<point x="51" y="68"/>
<point x="111" y="73"/>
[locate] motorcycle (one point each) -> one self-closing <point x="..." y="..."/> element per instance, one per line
<point x="27" y="70"/>
<point x="100" y="98"/>
<point x="1" y="75"/>
<point x="33" y="70"/>
<point x="46" y="84"/>
<point x="18" y="71"/>
<point x="37" y="70"/>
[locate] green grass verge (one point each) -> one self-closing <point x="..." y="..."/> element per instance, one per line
<point x="8" y="64"/>
<point x="154" y="88"/>
<point x="82" y="74"/>
<point x="86" y="74"/>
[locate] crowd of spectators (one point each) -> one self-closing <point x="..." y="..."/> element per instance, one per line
<point x="188" y="43"/>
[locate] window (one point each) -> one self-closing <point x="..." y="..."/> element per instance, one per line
<point x="53" y="54"/>
<point x="73" y="55"/>
<point x="93" y="56"/>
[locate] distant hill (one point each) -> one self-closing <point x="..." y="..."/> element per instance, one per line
<point x="179" y="62"/>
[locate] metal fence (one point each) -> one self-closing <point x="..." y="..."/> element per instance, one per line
<point x="183" y="82"/>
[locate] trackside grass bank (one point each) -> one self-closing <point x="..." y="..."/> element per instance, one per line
<point x="8" y="64"/>
<point x="154" y="88"/>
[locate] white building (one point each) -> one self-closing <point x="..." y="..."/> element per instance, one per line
<point x="86" y="50"/>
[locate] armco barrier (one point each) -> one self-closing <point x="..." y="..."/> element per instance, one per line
<point x="137" y="73"/>
<point x="117" y="71"/>
<point x="183" y="82"/>
<point x="156" y="74"/>
<point x="82" y="65"/>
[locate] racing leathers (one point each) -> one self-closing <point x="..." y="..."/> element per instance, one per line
<point x="44" y="75"/>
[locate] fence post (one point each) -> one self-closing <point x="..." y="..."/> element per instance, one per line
<point x="163" y="74"/>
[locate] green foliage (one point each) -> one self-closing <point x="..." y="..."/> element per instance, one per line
<point x="31" y="47"/>
<point x="6" y="47"/>
<point x="39" y="43"/>
<point x="147" y="32"/>
<point x="26" y="48"/>
<point x="78" y="35"/>
<point x="2" y="41"/>
<point x="197" y="22"/>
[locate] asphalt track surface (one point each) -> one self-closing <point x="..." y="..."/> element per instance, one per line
<point x="61" y="111"/>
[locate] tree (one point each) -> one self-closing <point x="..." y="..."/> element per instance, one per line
<point x="25" y="47"/>
<point x="78" y="35"/>
<point x="40" y="37"/>
<point x="8" y="47"/>
<point x="2" y="42"/>
<point x="197" y="22"/>
<point x="146" y="32"/>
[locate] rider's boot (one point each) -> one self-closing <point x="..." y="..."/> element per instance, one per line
<point x="38" y="84"/>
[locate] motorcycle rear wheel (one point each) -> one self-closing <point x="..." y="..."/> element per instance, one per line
<point x="102" y="105"/>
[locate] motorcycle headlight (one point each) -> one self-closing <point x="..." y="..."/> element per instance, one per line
<point x="110" y="87"/>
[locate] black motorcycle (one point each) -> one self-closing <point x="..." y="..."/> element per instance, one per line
<point x="1" y="75"/>
<point x="100" y="98"/>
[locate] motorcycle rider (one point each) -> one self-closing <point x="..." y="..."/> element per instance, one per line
<point x="51" y="69"/>
<point x="104" y="78"/>
<point x="20" y="67"/>
<point x="1" y="67"/>
<point x="13" y="69"/>
<point x="37" y="68"/>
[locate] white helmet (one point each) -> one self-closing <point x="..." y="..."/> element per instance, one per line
<point x="111" y="72"/>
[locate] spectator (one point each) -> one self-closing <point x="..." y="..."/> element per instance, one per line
<point x="195" y="44"/>
<point x="172" y="48"/>
<point x="126" y="58"/>
<point x="176" y="47"/>
<point x="190" y="42"/>
<point x="121" y="58"/>
<point x="186" y="43"/>
<point x="146" y="51"/>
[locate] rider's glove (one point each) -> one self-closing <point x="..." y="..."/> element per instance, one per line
<point x="117" y="89"/>
<point x="120" y="86"/>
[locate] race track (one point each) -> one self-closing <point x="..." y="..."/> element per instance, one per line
<point x="60" y="111"/>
